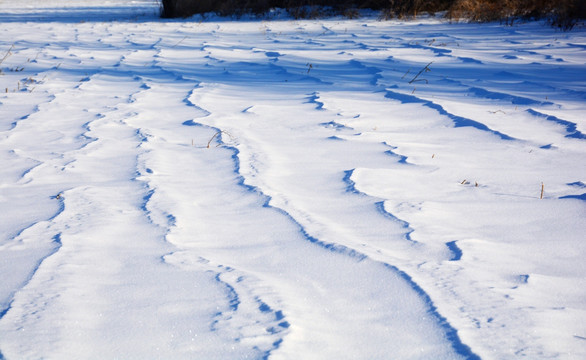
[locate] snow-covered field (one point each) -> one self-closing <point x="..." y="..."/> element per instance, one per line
<point x="325" y="189"/>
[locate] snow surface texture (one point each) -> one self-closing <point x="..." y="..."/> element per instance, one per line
<point x="327" y="189"/>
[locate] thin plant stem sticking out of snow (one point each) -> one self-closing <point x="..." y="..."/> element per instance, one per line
<point x="8" y="53"/>
<point x="424" y="70"/>
<point x="217" y="134"/>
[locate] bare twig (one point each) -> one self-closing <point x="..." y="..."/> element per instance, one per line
<point x="425" y="69"/>
<point x="180" y="41"/>
<point x="212" y="138"/>
<point x="8" y="53"/>
<point x="216" y="135"/>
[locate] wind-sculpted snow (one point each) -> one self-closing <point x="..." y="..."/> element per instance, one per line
<point x="326" y="189"/>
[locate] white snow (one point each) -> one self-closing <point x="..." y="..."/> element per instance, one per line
<point x="215" y="188"/>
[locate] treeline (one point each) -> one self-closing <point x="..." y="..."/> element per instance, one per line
<point x="561" y="13"/>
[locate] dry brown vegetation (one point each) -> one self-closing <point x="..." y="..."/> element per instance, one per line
<point x="561" y="13"/>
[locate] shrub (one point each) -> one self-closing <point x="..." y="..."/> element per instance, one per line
<point x="562" y="13"/>
<point x="300" y="8"/>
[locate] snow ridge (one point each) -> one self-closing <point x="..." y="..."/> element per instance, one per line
<point x="459" y="121"/>
<point x="451" y="333"/>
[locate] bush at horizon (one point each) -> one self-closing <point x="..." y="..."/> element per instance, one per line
<point x="560" y="13"/>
